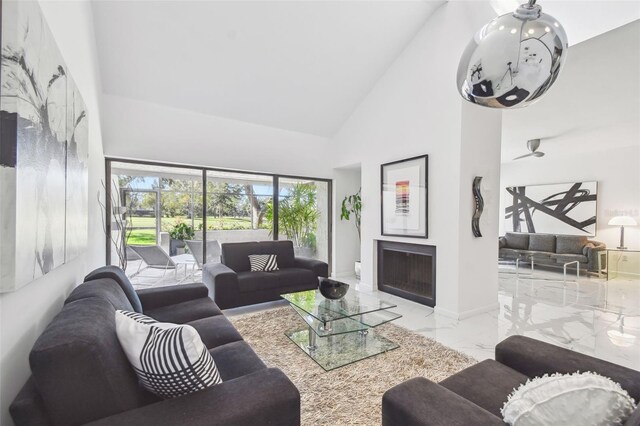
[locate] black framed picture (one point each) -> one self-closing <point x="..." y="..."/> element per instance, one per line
<point x="404" y="195"/>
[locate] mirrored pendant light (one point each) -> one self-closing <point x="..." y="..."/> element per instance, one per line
<point x="513" y="60"/>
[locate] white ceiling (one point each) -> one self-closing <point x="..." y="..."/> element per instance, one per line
<point x="296" y="65"/>
<point x="593" y="106"/>
<point x="582" y="19"/>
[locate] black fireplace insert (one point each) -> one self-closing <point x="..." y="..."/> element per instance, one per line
<point x="408" y="271"/>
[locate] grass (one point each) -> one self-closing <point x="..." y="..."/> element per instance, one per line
<point x="142" y="237"/>
<point x="148" y="236"/>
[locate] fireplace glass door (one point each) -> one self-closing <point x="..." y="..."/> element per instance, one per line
<point x="407" y="270"/>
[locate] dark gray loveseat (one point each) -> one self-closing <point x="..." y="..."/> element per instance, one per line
<point x="80" y="374"/>
<point x="475" y="395"/>
<point x="551" y="250"/>
<point x="232" y="283"/>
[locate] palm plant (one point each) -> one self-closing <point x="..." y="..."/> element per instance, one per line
<point x="298" y="214"/>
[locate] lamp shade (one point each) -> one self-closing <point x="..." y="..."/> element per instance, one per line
<point x="622" y="221"/>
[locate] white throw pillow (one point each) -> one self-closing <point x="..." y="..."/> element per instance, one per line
<point x="169" y="359"/>
<point x="263" y="262"/>
<point x="568" y="399"/>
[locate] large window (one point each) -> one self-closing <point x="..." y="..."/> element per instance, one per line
<point x="238" y="202"/>
<point x="156" y="202"/>
<point x="303" y="216"/>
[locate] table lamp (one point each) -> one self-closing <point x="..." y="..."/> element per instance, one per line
<point x="622" y="221"/>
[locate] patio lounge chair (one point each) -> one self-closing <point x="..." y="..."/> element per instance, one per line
<point x="154" y="257"/>
<point x="213" y="251"/>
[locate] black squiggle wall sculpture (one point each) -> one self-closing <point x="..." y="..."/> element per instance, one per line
<point x="475" y="221"/>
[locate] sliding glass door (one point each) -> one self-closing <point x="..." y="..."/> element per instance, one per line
<point x="303" y="216"/>
<point x="238" y="207"/>
<point x="142" y="212"/>
<point x="160" y="206"/>
<point x="176" y="208"/>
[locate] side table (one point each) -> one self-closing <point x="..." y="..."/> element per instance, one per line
<point x="187" y="260"/>
<point x="622" y="261"/>
<point x="531" y="259"/>
<point x="602" y="254"/>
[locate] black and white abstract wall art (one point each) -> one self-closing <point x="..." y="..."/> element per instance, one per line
<point x="43" y="151"/>
<point x="77" y="203"/>
<point x="566" y="208"/>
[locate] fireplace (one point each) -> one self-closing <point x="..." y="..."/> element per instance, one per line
<point x="408" y="270"/>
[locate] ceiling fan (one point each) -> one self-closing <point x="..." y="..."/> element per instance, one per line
<point x="532" y="145"/>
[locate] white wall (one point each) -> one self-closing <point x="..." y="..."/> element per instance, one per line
<point x="590" y="125"/>
<point x="415" y="109"/>
<point x="346" y="244"/>
<point x="479" y="156"/>
<point x="144" y="130"/>
<point x="25" y="313"/>
<point x="616" y="171"/>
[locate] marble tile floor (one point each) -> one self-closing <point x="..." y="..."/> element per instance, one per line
<point x="593" y="316"/>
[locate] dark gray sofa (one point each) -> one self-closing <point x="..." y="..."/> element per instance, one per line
<point x="80" y="374"/>
<point x="231" y="283"/>
<point x="551" y="250"/>
<point x="475" y="395"/>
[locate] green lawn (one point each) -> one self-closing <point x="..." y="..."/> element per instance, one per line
<point x="148" y="236"/>
<point x="143" y="237"/>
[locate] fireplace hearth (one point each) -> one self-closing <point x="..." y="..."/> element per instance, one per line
<point x="408" y="270"/>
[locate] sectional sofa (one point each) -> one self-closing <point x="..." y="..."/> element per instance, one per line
<point x="475" y="395"/>
<point x="552" y="250"/>
<point x="80" y="374"/>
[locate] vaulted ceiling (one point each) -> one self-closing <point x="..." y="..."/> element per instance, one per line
<point x="295" y="65"/>
<point x="594" y="105"/>
<point x="582" y="20"/>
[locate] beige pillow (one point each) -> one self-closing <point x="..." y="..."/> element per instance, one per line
<point x="568" y="399"/>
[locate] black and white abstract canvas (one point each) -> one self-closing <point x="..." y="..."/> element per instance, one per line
<point x="566" y="208"/>
<point x="76" y="173"/>
<point x="43" y="150"/>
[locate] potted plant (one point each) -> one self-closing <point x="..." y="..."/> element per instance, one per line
<point x="180" y="232"/>
<point x="352" y="205"/>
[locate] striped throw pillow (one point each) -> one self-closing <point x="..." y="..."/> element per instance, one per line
<point x="263" y="262"/>
<point x="169" y="359"/>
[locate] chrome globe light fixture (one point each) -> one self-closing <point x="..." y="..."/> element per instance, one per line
<point x="513" y="60"/>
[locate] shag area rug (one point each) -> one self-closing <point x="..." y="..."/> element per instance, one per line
<point x="349" y="395"/>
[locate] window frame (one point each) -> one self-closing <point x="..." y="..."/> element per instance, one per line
<point x="275" y="178"/>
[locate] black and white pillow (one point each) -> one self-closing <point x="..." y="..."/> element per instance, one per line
<point x="169" y="359"/>
<point x="142" y="319"/>
<point x="263" y="262"/>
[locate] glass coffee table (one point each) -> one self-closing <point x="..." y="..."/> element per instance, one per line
<point x="339" y="332"/>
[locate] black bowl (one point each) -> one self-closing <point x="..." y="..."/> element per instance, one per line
<point x="332" y="289"/>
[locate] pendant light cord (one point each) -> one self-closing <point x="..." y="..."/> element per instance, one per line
<point x="520" y="43"/>
<point x="530" y="5"/>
